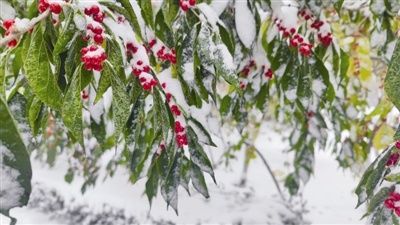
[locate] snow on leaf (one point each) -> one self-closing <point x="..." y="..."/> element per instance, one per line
<point x="198" y="180"/>
<point x="245" y="23"/>
<point x="197" y="154"/>
<point x="169" y="189"/>
<point x="15" y="166"/>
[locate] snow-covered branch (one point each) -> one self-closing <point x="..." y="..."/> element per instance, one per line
<point x="16" y="33"/>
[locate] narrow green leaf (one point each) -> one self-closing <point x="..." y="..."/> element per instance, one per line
<point x="39" y="74"/>
<point x="66" y="34"/>
<point x="15" y="162"/>
<point x="72" y="107"/>
<point x="392" y="80"/>
<point x="198" y="180"/>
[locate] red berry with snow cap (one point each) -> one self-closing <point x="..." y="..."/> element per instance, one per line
<point x="98" y="17"/>
<point x="55" y="8"/>
<point x="94" y="9"/>
<point x="98" y="39"/>
<point x="12" y="43"/>
<point x="7" y="24"/>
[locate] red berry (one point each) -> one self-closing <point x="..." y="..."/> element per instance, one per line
<point x="168" y="97"/>
<point x="87" y="12"/>
<point x="139" y="63"/>
<point x="393" y="159"/>
<point x="146" y="69"/>
<point x="94" y="9"/>
<point x="98" y="17"/>
<point x="175" y="110"/>
<point x="136" y="72"/>
<point x="43" y="8"/>
<point x="12" y="43"/>
<point x="192" y="2"/>
<point x="97" y="30"/>
<point x="8" y="23"/>
<point x="185" y="7"/>
<point x="98" y="38"/>
<point x="55" y="8"/>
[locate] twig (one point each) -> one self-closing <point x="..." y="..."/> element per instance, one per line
<point x="271" y="173"/>
<point x="17" y="33"/>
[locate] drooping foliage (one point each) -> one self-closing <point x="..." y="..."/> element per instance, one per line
<point x="142" y="78"/>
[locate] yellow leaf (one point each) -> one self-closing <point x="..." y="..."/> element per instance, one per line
<point x="383" y="137"/>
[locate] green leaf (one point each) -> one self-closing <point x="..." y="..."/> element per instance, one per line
<point x="323" y="72"/>
<point x="147" y="12"/>
<point x="201" y="132"/>
<point x="378" y="199"/>
<point x="152" y="181"/>
<point x="120" y="103"/>
<point x="338" y="6"/>
<point x="169" y="189"/>
<point x="198" y="180"/>
<point x="185" y="174"/>
<point x="170" y="8"/>
<point x="227" y="38"/>
<point x="33" y="113"/>
<point x="39" y="74"/>
<point x="371" y="177"/>
<point x="392" y="80"/>
<point x="225" y="105"/>
<point x="14" y="161"/>
<point x="197" y="154"/>
<point x="132" y="16"/>
<point x="72" y="107"/>
<point x="66" y="34"/>
<point x="292" y="183"/>
<point x="393" y="178"/>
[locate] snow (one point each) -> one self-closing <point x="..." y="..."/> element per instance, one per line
<point x="209" y="13"/>
<point x="10" y="189"/>
<point x="245" y="23"/>
<point x="329" y="194"/>
<point x="6" y="10"/>
<point x="219" y="6"/>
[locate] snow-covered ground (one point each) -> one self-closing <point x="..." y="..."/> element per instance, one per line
<point x="328" y="195"/>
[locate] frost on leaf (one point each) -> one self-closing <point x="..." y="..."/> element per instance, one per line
<point x="11" y="190"/>
<point x="245" y="23"/>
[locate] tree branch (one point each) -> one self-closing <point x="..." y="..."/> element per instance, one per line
<point x="17" y="33"/>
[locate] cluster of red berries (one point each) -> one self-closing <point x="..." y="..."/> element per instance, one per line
<point x="269" y="73"/>
<point x="180" y="135"/>
<point x="95" y="13"/>
<point x="394" y="157"/>
<point x="179" y="129"/>
<point x="393" y="202"/>
<point x="93" y="57"/>
<point x="162" y="52"/>
<point x="295" y="39"/>
<point x="247" y="68"/>
<point x="187" y="4"/>
<point x="306" y="14"/>
<point x="326" y="39"/>
<point x="95" y="31"/>
<point x="7" y="25"/>
<point x="54" y="7"/>
<point x="139" y="68"/>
